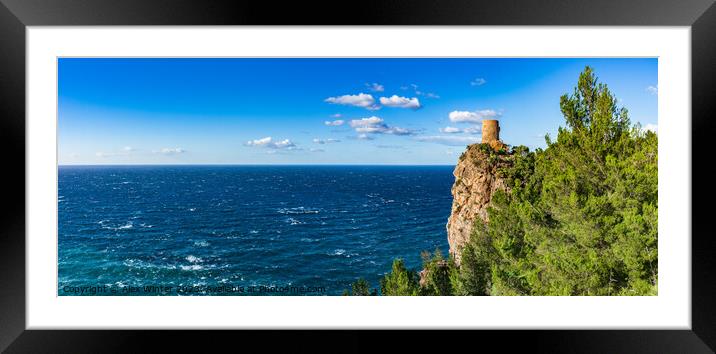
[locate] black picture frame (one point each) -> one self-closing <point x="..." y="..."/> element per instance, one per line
<point x="16" y="15"/>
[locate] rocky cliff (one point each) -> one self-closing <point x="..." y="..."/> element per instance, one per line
<point x="476" y="179"/>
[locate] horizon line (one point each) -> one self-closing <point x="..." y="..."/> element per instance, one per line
<point x="254" y="164"/>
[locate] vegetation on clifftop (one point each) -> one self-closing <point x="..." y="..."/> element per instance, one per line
<point x="580" y="217"/>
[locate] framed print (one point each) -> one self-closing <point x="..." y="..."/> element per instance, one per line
<point x="404" y="167"/>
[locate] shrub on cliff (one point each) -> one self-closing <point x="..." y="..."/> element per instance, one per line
<point x="581" y="217"/>
<point x="400" y="281"/>
<point x="438" y="275"/>
<point x="473" y="277"/>
<point x="360" y="288"/>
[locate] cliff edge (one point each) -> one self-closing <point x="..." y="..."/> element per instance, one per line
<point x="476" y="180"/>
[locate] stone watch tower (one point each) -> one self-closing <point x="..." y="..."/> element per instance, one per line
<point x="491" y="134"/>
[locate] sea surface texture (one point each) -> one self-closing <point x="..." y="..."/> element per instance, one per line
<point x="244" y="230"/>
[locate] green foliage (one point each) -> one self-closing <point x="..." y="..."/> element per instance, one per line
<point x="400" y="281"/>
<point x="360" y="288"/>
<point x="581" y="216"/>
<point x="438" y="275"/>
<point x="473" y="276"/>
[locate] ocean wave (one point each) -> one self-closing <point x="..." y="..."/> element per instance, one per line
<point x="193" y="259"/>
<point x="140" y="264"/>
<point x="201" y="243"/>
<point x="293" y="221"/>
<point x="192" y="267"/>
<point x="203" y="266"/>
<point x="126" y="226"/>
<point x="298" y="210"/>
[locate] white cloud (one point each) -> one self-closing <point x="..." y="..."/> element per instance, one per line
<point x="316" y="150"/>
<point x="337" y="115"/>
<point x="259" y="142"/>
<point x="472" y="117"/>
<point x="654" y="90"/>
<point x="364" y="137"/>
<point x="364" y="122"/>
<point x="125" y="151"/>
<point x="418" y="92"/>
<point x="376" y="125"/>
<point x="334" y="123"/>
<point x="395" y="147"/>
<point x="171" y="151"/>
<point x="268" y="142"/>
<point x="105" y="154"/>
<point x="478" y="82"/>
<point x="363" y="100"/>
<point x="401" y="102"/>
<point x="472" y="130"/>
<point x="375" y="87"/>
<point x="454" y="130"/>
<point x="325" y="141"/>
<point x="450" y="130"/>
<point x="451" y="140"/>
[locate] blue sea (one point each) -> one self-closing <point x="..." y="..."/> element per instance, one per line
<point x="244" y="230"/>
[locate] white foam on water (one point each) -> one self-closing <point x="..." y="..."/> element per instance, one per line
<point x="193" y="259"/>
<point x="140" y="264"/>
<point x="128" y="225"/>
<point x="192" y="267"/>
<point x="293" y="221"/>
<point x="298" y="210"/>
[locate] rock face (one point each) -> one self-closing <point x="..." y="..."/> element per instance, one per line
<point x="476" y="180"/>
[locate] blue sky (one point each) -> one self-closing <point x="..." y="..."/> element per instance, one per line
<point x="321" y="111"/>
